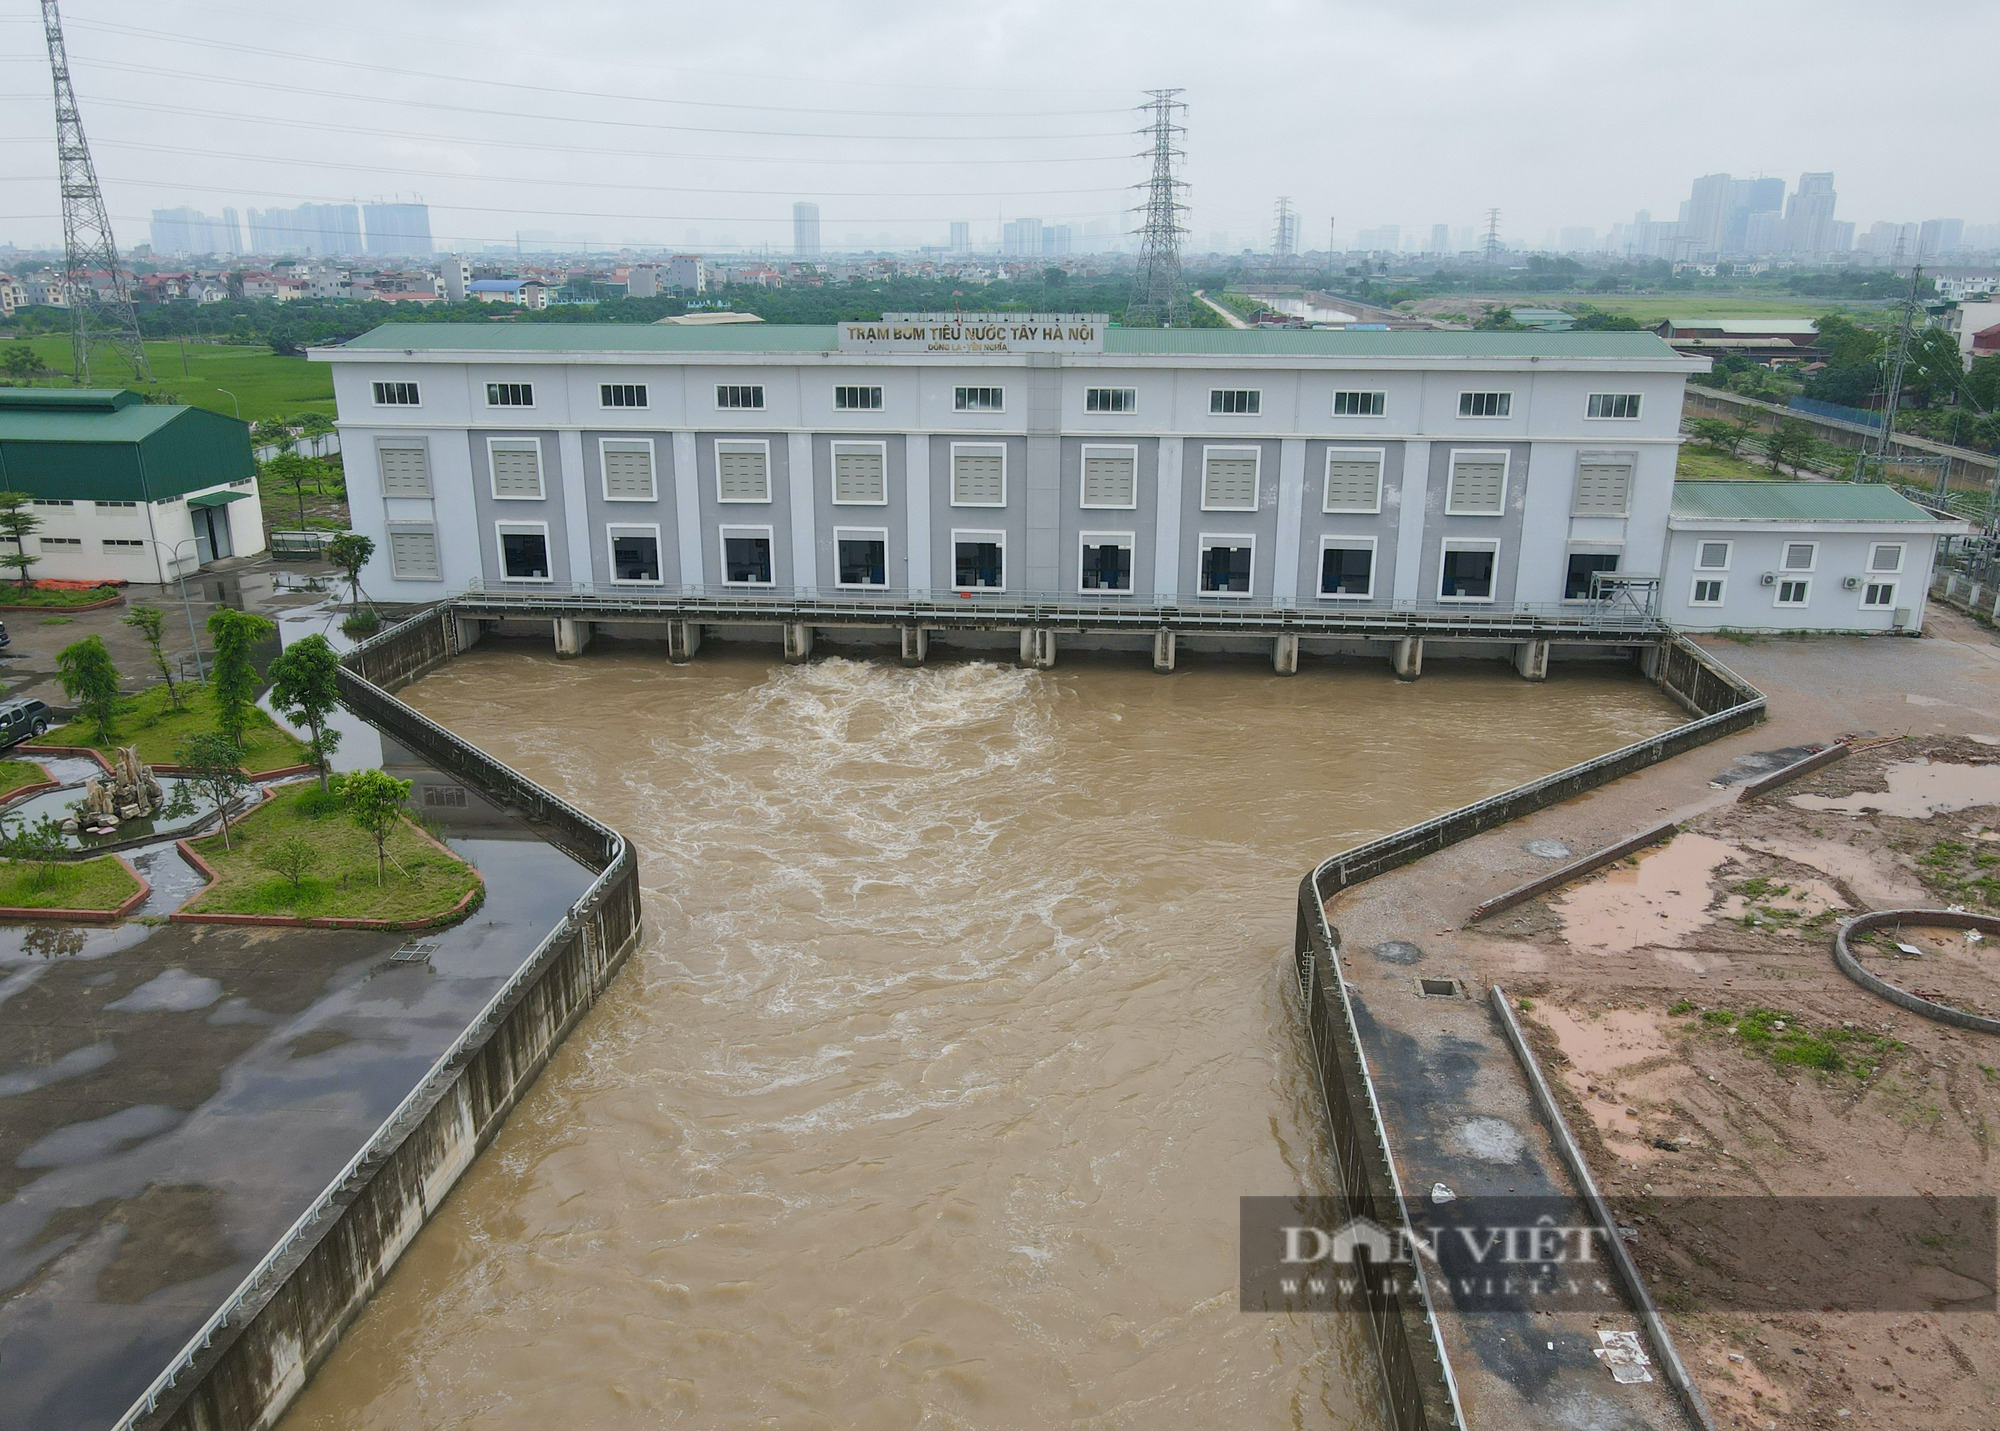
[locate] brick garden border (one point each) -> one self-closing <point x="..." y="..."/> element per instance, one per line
<point x="11" y="912"/>
<point x="116" y="600"/>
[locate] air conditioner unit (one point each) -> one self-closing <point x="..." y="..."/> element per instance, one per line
<point x="1769" y="578"/>
<point x="1850" y="583"/>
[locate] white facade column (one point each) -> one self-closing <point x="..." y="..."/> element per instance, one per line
<point x="917" y="507"/>
<point x="1167" y="521"/>
<point x="1291" y="506"/>
<point x="805" y="547"/>
<point x="1410" y="522"/>
<point x="576" y="514"/>
<point x="1541" y="565"/>
<point x="687" y="509"/>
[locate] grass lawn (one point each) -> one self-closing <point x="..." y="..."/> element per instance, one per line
<point x="101" y="883"/>
<point x="1705" y="464"/>
<point x="342" y="884"/>
<point x="265" y="384"/>
<point x="1652" y="307"/>
<point x="148" y="721"/>
<point x="16" y="773"/>
<point x="12" y="593"/>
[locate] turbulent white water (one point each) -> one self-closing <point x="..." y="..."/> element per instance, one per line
<point x="959" y="1029"/>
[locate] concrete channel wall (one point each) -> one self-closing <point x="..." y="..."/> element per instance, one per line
<point x="1417" y="1384"/>
<point x="245" y="1368"/>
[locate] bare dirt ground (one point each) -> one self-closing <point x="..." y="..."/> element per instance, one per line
<point x="1689" y="1010"/>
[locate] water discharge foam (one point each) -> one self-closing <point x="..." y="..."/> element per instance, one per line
<point x="961" y="1026"/>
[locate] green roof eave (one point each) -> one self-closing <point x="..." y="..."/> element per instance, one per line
<point x="217" y="499"/>
<point x="1859" y="503"/>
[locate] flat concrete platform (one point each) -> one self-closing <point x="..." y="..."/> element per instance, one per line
<point x="1443" y="1063"/>
<point x="173" y="1096"/>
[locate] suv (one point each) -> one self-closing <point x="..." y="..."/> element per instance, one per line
<point x="22" y="720"/>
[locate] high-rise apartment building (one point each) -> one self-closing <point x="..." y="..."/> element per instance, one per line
<point x="1705" y="221"/>
<point x="398" y="230"/>
<point x="961" y="236"/>
<point x="1749" y="198"/>
<point x="1809" y="216"/>
<point x="1577" y="241"/>
<point x="1058" y="241"/>
<point x="805" y="230"/>
<point x="1021" y="238"/>
<point x="320" y="230"/>
<point x="1937" y="236"/>
<point x="191" y="232"/>
<point x="1440" y="238"/>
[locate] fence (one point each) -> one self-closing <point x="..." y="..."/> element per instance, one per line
<point x="247" y="1362"/>
<point x="1416" y="1372"/>
<point x="1839" y="412"/>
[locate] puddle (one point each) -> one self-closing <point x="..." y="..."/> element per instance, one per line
<point x="99" y="1137"/>
<point x="174" y="991"/>
<point x="1657" y="902"/>
<point x="1917" y="789"/>
<point x="73" y="1064"/>
<point x="1603" y="1049"/>
<point x="1879" y="880"/>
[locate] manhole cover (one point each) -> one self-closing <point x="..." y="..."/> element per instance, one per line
<point x="1548" y="849"/>
<point x="1398" y="951"/>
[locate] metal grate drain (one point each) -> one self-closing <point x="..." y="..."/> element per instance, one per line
<point x="416" y="949"/>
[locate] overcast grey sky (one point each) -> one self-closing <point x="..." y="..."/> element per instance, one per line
<point x="897" y="116"/>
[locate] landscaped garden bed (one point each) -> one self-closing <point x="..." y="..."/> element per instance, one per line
<point x="300" y="856"/>
<point x="57" y="596"/>
<point x="18" y="775"/>
<point x="150" y="721"/>
<point x="102" y="888"/>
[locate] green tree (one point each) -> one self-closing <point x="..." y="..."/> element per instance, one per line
<point x="305" y="685"/>
<point x="374" y="800"/>
<point x="273" y="432"/>
<point x="151" y="624"/>
<point x="1720" y="433"/>
<point x="292" y="858"/>
<point x="293" y="471"/>
<point x="233" y="675"/>
<point x="18" y="522"/>
<point x="211" y="762"/>
<point x="90" y="678"/>
<point x="1982" y="381"/>
<point x="21" y="365"/>
<point x="1789" y="445"/>
<point x="41" y="844"/>
<point x="1936" y="372"/>
<point x="316" y="427"/>
<point x="349" y="552"/>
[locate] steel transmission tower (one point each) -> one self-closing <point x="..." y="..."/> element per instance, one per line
<point x="1159" y="292"/>
<point x="1876" y="450"/>
<point x="1492" y="243"/>
<point x="87" y="242"/>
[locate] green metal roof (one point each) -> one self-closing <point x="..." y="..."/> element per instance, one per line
<point x="1794" y="502"/>
<point x="1137" y="342"/>
<point x="111" y="446"/>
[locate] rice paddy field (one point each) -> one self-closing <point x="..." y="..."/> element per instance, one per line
<point x="263" y="384"/>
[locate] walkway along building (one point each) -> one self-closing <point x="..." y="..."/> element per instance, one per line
<point x="128" y="490"/>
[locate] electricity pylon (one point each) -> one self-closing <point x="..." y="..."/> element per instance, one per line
<point x="1159" y="291"/>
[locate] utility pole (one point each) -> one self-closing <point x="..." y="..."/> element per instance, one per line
<point x="1884" y="437"/>
<point x="87" y="241"/>
<point x="1159" y="291"/>
<point x="1492" y="244"/>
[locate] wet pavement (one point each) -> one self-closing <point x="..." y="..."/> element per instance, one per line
<point x="173" y="1096"/>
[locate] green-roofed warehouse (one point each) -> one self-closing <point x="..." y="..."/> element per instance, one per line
<point x="126" y="489"/>
<point x="1799" y="556"/>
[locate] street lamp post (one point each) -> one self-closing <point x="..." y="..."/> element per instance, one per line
<point x="232" y="402"/>
<point x="200" y="671"/>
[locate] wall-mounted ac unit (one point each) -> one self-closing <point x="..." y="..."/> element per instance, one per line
<point x="1769" y="578"/>
<point x="1850" y="583"/>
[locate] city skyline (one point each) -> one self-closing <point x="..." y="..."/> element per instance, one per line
<point x="685" y="131"/>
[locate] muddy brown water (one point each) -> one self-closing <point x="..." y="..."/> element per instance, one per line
<point x="959" y="1028"/>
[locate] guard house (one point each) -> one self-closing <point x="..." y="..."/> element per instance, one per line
<point x="1799" y="556"/>
<point x="949" y="456"/>
<point x="128" y="490"/>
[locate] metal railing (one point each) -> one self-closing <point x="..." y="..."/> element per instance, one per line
<point x="1615" y="617"/>
<point x="502" y="781"/>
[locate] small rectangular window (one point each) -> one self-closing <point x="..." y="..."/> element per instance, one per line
<point x="746" y="556"/>
<point x="510" y="394"/>
<point x="978" y="561"/>
<point x="1603" y="489"/>
<point x="621" y="395"/>
<point x="1359" y="404"/>
<point x="628" y="471"/>
<point x="1353" y="482"/>
<point x="1582" y="567"/>
<point x="101" y="506"/>
<point x="743" y="397"/>
<point x="979" y="477"/>
<point x="1794" y="592"/>
<point x="1225" y="565"/>
<point x="54" y="502"/>
<point x="1712" y="556"/>
<point x="517" y="470"/>
<point x="1347" y="568"/>
<point x="1878" y="595"/>
<point x="1229" y="479"/>
<point x="62" y="541"/>
<point x="395" y="394"/>
<point x="123" y="542"/>
<point x="524" y="552"/>
<point x="979" y="399"/>
<point x="406" y="471"/>
<point x="1235" y="402"/>
<point x="1107" y="563"/>
<point x="857" y="399"/>
<point x="1110" y="399"/>
<point x="1707" y="591"/>
<point x="1799" y="556"/>
<point x="635" y="555"/>
<point x="1614" y="405"/>
<point x="859" y="475"/>
<point x="1885" y="556"/>
<point x="1466" y="573"/>
<point x="862" y="556"/>
<point x="1477" y="486"/>
<point x="1110" y="477"/>
<point x="742" y="472"/>
<point x="413" y="552"/>
<point x="1485" y="404"/>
